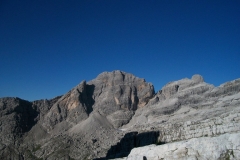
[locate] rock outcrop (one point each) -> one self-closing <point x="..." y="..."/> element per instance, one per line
<point x="109" y="116"/>
<point x="190" y="109"/>
<point x="83" y="123"/>
<point x="222" y="147"/>
<point x="17" y="118"/>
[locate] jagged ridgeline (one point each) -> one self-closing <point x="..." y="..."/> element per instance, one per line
<point x="108" y="117"/>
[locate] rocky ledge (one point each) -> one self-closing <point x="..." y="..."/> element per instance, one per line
<point x="222" y="147"/>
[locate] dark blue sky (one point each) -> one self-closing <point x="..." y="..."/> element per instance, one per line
<point x="49" y="46"/>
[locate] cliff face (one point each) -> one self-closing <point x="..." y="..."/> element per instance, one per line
<point x="190" y="109"/>
<point x="116" y="112"/>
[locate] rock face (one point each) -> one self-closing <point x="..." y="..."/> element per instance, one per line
<point x="109" y="116"/>
<point x="117" y="94"/>
<point x="222" y="147"/>
<point x="186" y="109"/>
<point x="84" y="122"/>
<point x="17" y="118"/>
<point x="72" y="108"/>
<point x="130" y="141"/>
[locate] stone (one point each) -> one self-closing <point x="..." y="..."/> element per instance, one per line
<point x="225" y="146"/>
<point x="197" y="78"/>
<point x="117" y="94"/>
<point x="116" y="112"/>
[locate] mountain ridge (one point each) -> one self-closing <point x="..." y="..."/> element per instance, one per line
<point x="96" y="115"/>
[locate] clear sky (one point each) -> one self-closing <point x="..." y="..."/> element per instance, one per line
<point x="49" y="46"/>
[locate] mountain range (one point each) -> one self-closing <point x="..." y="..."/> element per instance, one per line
<point x="120" y="116"/>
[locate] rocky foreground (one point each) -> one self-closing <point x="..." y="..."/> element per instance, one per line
<point x="223" y="147"/>
<point x="118" y="115"/>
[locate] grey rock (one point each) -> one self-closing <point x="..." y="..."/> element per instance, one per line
<point x="118" y="94"/>
<point x="17" y="117"/>
<point x="197" y="78"/>
<point x="92" y="119"/>
<point x="120" y="89"/>
<point x="195" y="110"/>
<point x="71" y="108"/>
<point x="222" y="147"/>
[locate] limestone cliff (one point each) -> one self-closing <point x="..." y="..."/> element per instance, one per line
<point x="223" y="147"/>
<point x="109" y="116"/>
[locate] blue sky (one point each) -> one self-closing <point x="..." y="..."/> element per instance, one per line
<point x="49" y="46"/>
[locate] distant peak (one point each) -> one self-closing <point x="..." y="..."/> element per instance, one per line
<point x="197" y="78"/>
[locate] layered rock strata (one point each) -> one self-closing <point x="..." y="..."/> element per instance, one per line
<point x="222" y="147"/>
<point x="110" y="115"/>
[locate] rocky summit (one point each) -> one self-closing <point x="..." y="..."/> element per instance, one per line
<point x="119" y="116"/>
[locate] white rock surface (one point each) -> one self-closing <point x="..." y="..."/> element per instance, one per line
<point x="226" y="146"/>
